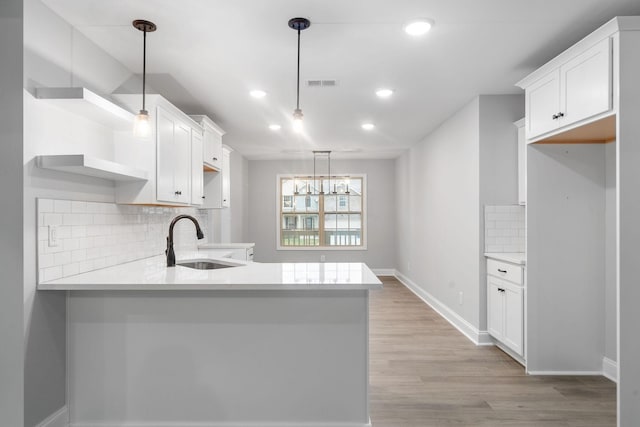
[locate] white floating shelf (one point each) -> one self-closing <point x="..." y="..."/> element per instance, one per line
<point x="84" y="102"/>
<point x="91" y="166"/>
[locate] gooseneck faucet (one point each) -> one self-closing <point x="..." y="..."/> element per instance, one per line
<point x="171" y="255"/>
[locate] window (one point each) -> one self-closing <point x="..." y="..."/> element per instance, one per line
<point x="321" y="213"/>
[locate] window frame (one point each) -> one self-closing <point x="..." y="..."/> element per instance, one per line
<point x="279" y="216"/>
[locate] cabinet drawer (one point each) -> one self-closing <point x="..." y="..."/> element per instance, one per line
<point x="505" y="270"/>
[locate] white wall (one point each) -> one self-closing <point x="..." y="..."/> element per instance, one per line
<point x="381" y="212"/>
<point x="239" y="221"/>
<point x="438" y="213"/>
<point x="442" y="184"/>
<point x="11" y="254"/>
<point x="566" y="257"/>
<point x="611" y="292"/>
<point x="55" y="55"/>
<point x="628" y="232"/>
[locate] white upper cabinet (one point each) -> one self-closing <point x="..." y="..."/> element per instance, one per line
<point x="197" y="174"/>
<point x="217" y="185"/>
<point x="212" y="142"/>
<point x="586" y="84"/>
<point x="166" y="155"/>
<point x="543" y="104"/>
<point x="577" y="90"/>
<point x="174" y="159"/>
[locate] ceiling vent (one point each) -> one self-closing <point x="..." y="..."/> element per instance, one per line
<point x="322" y="83"/>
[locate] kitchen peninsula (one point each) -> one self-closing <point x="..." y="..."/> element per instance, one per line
<point x="253" y="345"/>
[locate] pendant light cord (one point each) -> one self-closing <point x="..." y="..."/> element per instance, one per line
<point x="298" y="80"/>
<point x="144" y="67"/>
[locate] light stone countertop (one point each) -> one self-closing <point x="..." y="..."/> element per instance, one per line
<point x="153" y="274"/>
<point x="512" y="257"/>
<point x="226" y="245"/>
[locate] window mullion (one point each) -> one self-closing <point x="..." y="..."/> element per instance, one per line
<point x="321" y="218"/>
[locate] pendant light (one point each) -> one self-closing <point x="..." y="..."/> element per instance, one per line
<point x="141" y="126"/>
<point x="298" y="24"/>
<point x="317" y="154"/>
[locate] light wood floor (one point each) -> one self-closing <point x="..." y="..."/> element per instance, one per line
<point x="424" y="372"/>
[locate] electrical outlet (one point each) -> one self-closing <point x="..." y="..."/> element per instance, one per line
<point x="323" y="258"/>
<point x="53" y="235"/>
<point x="460" y="297"/>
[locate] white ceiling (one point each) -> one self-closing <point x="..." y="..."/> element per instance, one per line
<point x="219" y="50"/>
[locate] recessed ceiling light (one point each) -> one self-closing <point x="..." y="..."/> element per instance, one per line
<point x="274" y="127"/>
<point x="258" y="93"/>
<point x="368" y="126"/>
<point x="418" y="27"/>
<point x="384" y="93"/>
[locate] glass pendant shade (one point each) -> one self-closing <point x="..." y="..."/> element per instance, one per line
<point x="297" y="120"/>
<point x="141" y="125"/>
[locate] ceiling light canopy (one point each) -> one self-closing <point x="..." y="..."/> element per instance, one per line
<point x="384" y="93"/>
<point x="257" y="93"/>
<point x="141" y="125"/>
<point x="418" y="27"/>
<point x="368" y="126"/>
<point x="298" y="24"/>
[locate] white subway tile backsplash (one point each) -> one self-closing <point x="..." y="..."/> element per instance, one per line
<point x="52" y="219"/>
<point x="504" y="227"/>
<point x="51" y="273"/>
<point x="93" y="235"/>
<point x="62" y="206"/>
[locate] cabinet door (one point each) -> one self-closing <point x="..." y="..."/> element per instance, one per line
<point x="226" y="178"/>
<point x="513" y="318"/>
<point x="543" y="104"/>
<point x="586" y="83"/>
<point x="212" y="148"/>
<point x="495" y="309"/>
<point x="182" y="163"/>
<point x="197" y="174"/>
<point x="164" y="172"/>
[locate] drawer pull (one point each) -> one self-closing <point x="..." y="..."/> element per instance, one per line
<point x="502" y="271"/>
<point x="500" y="290"/>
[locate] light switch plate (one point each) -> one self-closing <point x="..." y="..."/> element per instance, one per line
<point x="53" y="235"/>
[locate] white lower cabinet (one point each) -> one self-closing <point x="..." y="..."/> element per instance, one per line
<point x="245" y="254"/>
<point x="505" y="312"/>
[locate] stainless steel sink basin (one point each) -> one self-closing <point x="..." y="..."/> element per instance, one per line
<point x="205" y="265"/>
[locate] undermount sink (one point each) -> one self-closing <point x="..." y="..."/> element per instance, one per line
<point x="205" y="265"/>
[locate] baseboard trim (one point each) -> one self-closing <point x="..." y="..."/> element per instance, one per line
<point x="610" y="369"/>
<point x="217" y="424"/>
<point x="512" y="354"/>
<point x="467" y="329"/>
<point x="384" y="271"/>
<point x="60" y="418"/>
<point x="485" y="339"/>
<point x="564" y="373"/>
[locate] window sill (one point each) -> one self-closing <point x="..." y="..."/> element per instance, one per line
<point x="321" y="248"/>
